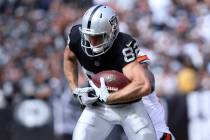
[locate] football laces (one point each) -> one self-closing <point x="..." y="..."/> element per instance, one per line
<point x="112" y="88"/>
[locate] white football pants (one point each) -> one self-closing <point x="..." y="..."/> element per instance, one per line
<point x="96" y="122"/>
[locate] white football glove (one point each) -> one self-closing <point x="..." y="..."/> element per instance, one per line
<point x="101" y="92"/>
<point x="82" y="95"/>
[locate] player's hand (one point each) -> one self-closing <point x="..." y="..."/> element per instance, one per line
<point x="82" y="95"/>
<point x="102" y="93"/>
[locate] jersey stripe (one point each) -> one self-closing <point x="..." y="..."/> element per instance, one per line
<point x="91" y="16"/>
<point x="142" y="58"/>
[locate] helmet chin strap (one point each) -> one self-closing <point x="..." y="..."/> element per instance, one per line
<point x="97" y="50"/>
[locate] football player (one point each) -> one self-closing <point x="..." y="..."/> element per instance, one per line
<point x="98" y="45"/>
<point x="156" y="110"/>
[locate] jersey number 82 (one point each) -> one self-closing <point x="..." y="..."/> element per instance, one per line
<point x="131" y="53"/>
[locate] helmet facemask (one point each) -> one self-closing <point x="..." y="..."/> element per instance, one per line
<point x="97" y="43"/>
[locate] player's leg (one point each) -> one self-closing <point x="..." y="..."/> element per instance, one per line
<point x="91" y="127"/>
<point x="137" y="124"/>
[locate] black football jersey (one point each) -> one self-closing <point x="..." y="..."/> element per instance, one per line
<point x="123" y="51"/>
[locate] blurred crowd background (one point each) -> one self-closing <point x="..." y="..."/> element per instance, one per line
<point x="35" y="100"/>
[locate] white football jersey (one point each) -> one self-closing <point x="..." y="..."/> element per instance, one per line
<point x="151" y="102"/>
<point x="156" y="113"/>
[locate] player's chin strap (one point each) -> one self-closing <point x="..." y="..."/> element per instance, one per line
<point x="102" y="93"/>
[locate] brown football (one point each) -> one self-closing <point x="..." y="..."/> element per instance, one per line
<point x="114" y="80"/>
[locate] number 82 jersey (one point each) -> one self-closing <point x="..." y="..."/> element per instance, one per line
<point x="123" y="51"/>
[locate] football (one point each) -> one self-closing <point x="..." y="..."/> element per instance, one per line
<point x="114" y="80"/>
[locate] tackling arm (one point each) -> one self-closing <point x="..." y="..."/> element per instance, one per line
<point x="140" y="85"/>
<point x="70" y="68"/>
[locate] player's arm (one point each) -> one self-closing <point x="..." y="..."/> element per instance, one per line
<point x="71" y="73"/>
<point x="141" y="84"/>
<point x="70" y="68"/>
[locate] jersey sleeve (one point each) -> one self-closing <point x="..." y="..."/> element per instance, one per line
<point x="143" y="57"/>
<point x="130" y="51"/>
<point x="74" y="37"/>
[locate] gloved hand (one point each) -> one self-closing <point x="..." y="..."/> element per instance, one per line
<point x="101" y="92"/>
<point x="84" y="97"/>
